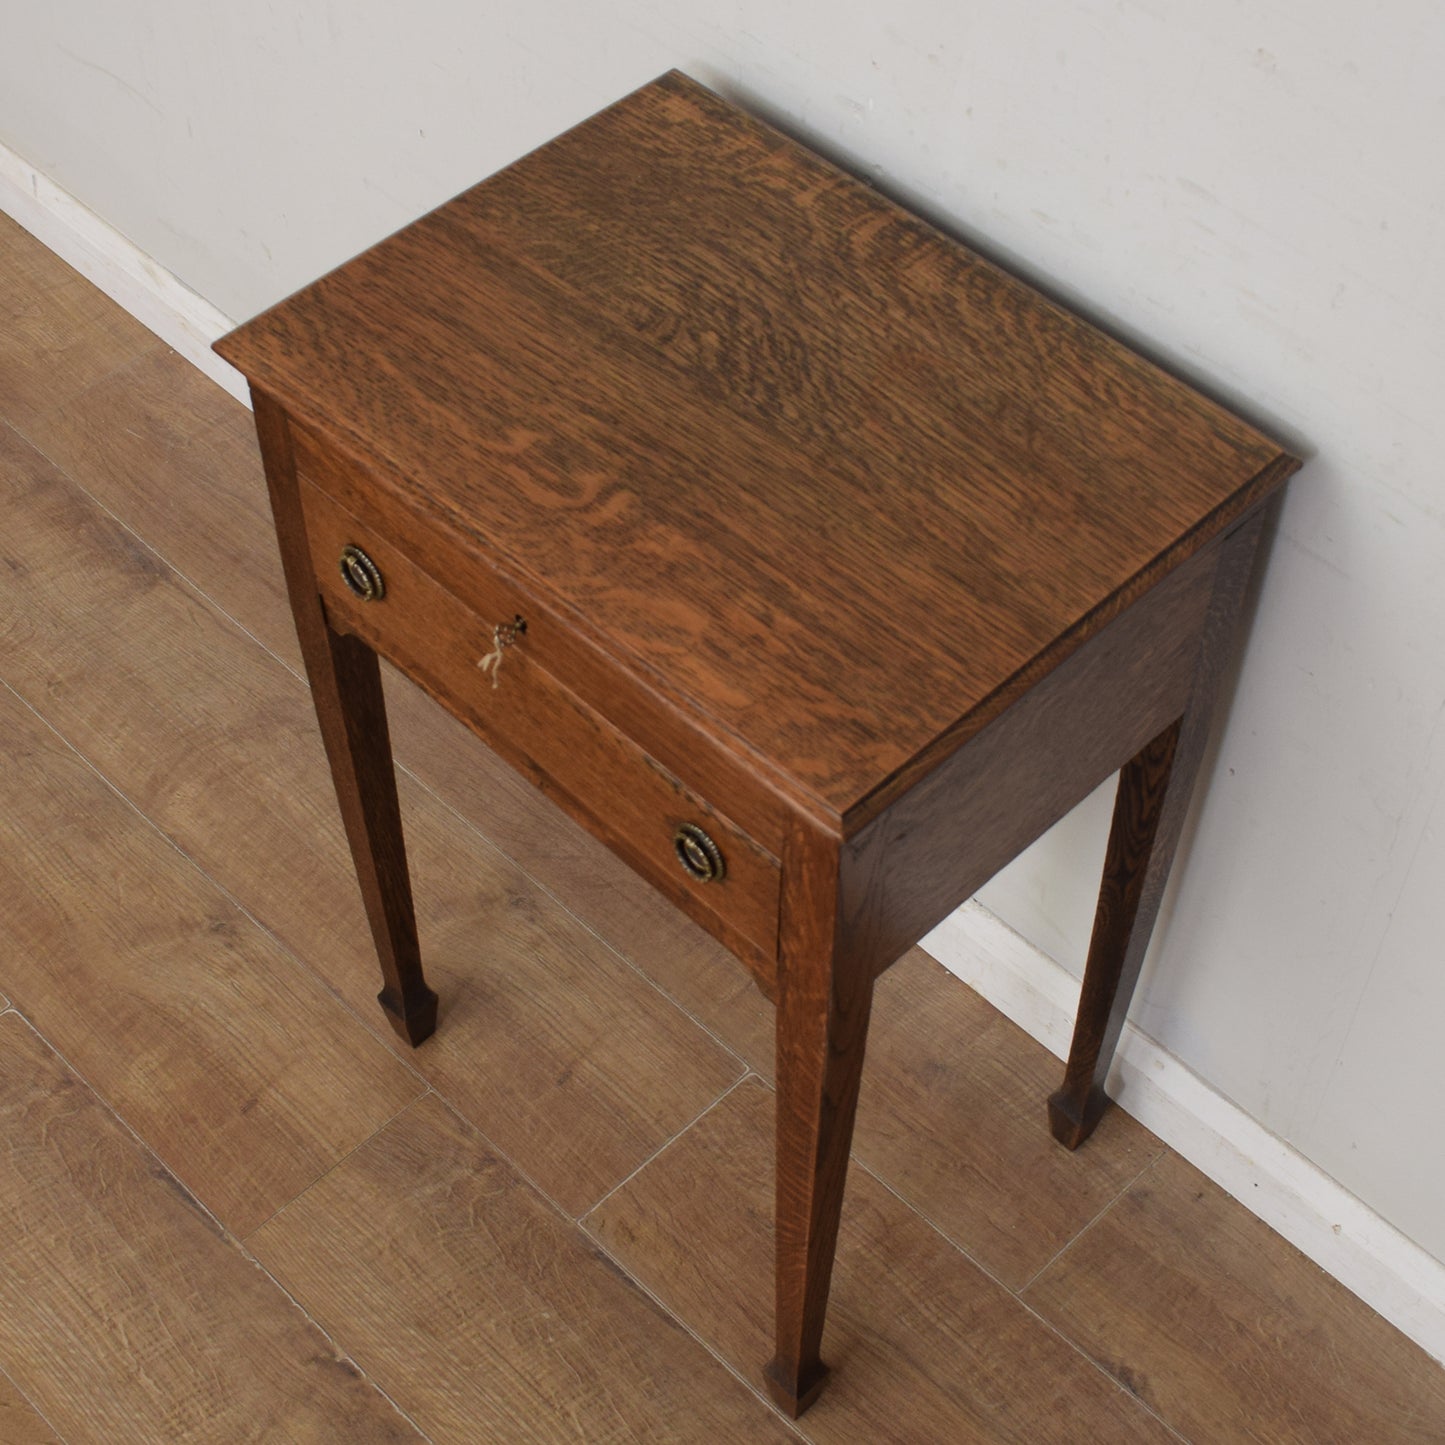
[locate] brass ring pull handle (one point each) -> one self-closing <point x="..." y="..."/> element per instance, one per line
<point x="698" y="854"/>
<point x="361" y="574"/>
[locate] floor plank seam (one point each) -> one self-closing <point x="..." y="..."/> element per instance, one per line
<point x="224" y="1234"/>
<point x="593" y="1242"/>
<point x="153" y="348"/>
<point x="400" y="766"/>
<point x="469" y="1123"/>
<point x="331" y="1339"/>
<point x="1016" y="1295"/>
<point x="687" y="1329"/>
<point x="334" y="1166"/>
<point x="382" y="1034"/>
<point x="149" y="546"/>
<point x="21" y="1394"/>
<point x="1113" y="1379"/>
<point x="1078" y="1234"/>
<point x="187" y="431"/>
<point x="667" y="1144"/>
<point x="932" y="1223"/>
<point x="190" y="1196"/>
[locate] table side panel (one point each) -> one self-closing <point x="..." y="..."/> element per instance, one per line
<point x="946" y="837"/>
<point x="540" y="727"/>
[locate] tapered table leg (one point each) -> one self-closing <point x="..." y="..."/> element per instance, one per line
<point x="350" y="708"/>
<point x="1149" y="811"/>
<point x="822" y="1029"/>
<point x="1136" y="865"/>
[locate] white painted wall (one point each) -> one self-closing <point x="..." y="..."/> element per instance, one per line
<point x="1254" y="192"/>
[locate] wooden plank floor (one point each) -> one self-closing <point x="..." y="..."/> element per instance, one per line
<point x="233" y="1206"/>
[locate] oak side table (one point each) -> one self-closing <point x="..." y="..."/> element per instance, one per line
<point x="811" y="561"/>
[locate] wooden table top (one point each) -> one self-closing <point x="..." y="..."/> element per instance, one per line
<point x="826" y="480"/>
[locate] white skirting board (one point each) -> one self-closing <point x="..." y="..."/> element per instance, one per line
<point x="1390" y="1273"/>
<point x="184" y="321"/>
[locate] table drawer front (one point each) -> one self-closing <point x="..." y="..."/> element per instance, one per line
<point x="714" y="767"/>
<point x="537" y="723"/>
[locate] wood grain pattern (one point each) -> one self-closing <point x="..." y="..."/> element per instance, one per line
<point x="583" y="875"/>
<point x="960" y="476"/>
<point x="562" y="1053"/>
<point x="175" y="458"/>
<point x="949" y="1116"/>
<point x="173" y="1005"/>
<point x="1229" y="1332"/>
<point x="20" y="1423"/>
<point x="712" y="766"/>
<point x="485" y="1314"/>
<point x="871" y="603"/>
<point x="125" y="1313"/>
<point x="949" y="1090"/>
<point x="924" y="1345"/>
<point x="58" y="333"/>
<point x="537" y="722"/>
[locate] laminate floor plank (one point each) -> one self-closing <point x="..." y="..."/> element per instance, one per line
<point x="1229" y="1332"/>
<point x="125" y="1313"/>
<point x="58" y="333"/>
<point x="569" y="1061"/>
<point x="923" y="1344"/>
<point x="169" y="1001"/>
<point x="951" y="1114"/>
<point x="20" y="1422"/>
<point x="488" y="1314"/>
<point x="175" y="459"/>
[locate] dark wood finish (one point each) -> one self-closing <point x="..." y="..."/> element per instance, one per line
<point x="553" y="1045"/>
<point x="825" y="996"/>
<point x="667" y="327"/>
<point x="714" y="766"/>
<point x="346" y="691"/>
<point x="945" y="838"/>
<point x="1212" y="1317"/>
<point x="545" y="731"/>
<point x="825" y="531"/>
<point x="1153" y="796"/>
